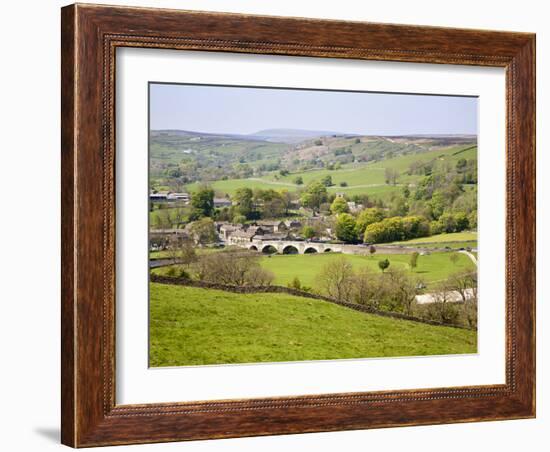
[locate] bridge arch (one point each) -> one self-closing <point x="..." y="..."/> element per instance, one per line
<point x="253" y="248"/>
<point x="269" y="249"/>
<point x="310" y="250"/>
<point x="327" y="250"/>
<point x="290" y="249"/>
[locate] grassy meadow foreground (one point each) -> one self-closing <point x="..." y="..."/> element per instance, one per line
<point x="192" y="326"/>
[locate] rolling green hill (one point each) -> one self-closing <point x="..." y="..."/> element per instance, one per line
<point x="191" y="326"/>
<point x="228" y="162"/>
<point x="365" y="178"/>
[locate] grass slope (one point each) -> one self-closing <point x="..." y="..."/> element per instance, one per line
<point x="442" y="238"/>
<point x="191" y="326"/>
<point x="366" y="178"/>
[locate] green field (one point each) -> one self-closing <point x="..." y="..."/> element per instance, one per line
<point x="199" y="251"/>
<point x="451" y="155"/>
<point x="464" y="236"/>
<point x="231" y="185"/>
<point x="431" y="268"/>
<point x="452" y="245"/>
<point x="191" y="326"/>
<point x="358" y="174"/>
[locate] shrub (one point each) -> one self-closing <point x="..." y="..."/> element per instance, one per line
<point x="234" y="268"/>
<point x="442" y="312"/>
<point x="414" y="260"/>
<point x="327" y="181"/>
<point x="336" y="278"/>
<point x="295" y="283"/>
<point x="383" y="264"/>
<point x="176" y="271"/>
<point x="367" y="289"/>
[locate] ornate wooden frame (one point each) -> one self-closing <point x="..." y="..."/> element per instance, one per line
<point x="90" y="35"/>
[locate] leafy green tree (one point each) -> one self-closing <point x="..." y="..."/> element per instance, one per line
<point x="299" y="180"/>
<point x="372" y="250"/>
<point x="244" y="202"/>
<point x="327" y="181"/>
<point x="286" y="197"/>
<point x="339" y="205"/>
<point x="314" y="195"/>
<point x="414" y="260"/>
<point x="395" y="229"/>
<point x="272" y="202"/>
<point x="202" y="202"/>
<point x="447" y="222"/>
<point x="461" y="165"/>
<point x="461" y="220"/>
<point x="203" y="231"/>
<point x="387" y="230"/>
<point x="345" y="228"/>
<point x="284" y="172"/>
<point x="295" y="283"/>
<point x="239" y="219"/>
<point x="391" y="176"/>
<point x="415" y="227"/>
<point x="437" y="204"/>
<point x="399" y="207"/>
<point x="308" y="232"/>
<point x="472" y="219"/>
<point x="343" y="184"/>
<point x="383" y="264"/>
<point x="367" y="217"/>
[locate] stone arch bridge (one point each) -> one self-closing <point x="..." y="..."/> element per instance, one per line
<point x="291" y="247"/>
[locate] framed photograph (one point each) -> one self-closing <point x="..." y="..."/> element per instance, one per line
<point x="281" y="225"/>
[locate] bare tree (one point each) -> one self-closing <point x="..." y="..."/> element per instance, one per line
<point x="465" y="284"/>
<point x="443" y="309"/>
<point x="233" y="268"/>
<point x="161" y="220"/>
<point x="470" y="312"/>
<point x="367" y="289"/>
<point x="336" y="278"/>
<point x="401" y="290"/>
<point x="391" y="176"/>
<point x="203" y="231"/>
<point x="180" y="250"/>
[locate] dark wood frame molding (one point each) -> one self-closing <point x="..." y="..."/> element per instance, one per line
<point x="90" y="36"/>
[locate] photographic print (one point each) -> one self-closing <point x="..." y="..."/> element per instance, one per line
<point x="302" y="224"/>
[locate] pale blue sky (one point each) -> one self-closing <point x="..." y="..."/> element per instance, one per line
<point x="242" y="110"/>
